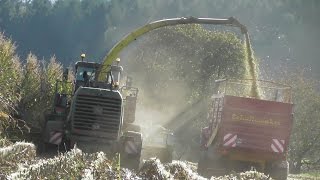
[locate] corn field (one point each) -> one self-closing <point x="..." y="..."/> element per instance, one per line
<point x="26" y="90"/>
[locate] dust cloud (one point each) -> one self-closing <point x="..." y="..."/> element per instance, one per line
<point x="174" y="74"/>
<point x="162" y="96"/>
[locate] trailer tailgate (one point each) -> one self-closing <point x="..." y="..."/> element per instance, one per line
<point x="255" y="125"/>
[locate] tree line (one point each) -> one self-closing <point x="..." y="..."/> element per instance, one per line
<point x="66" y="28"/>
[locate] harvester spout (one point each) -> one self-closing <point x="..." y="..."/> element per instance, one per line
<point x="114" y="52"/>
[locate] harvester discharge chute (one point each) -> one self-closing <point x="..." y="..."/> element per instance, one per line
<point x="134" y="35"/>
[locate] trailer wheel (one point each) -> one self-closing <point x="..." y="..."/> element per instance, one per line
<point x="202" y="164"/>
<point x="212" y="164"/>
<point x="279" y="170"/>
<point x="280" y="174"/>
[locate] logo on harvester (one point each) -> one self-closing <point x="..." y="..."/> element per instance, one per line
<point x="277" y="145"/>
<point x="55" y="137"/>
<point x="130" y="147"/>
<point x="230" y="140"/>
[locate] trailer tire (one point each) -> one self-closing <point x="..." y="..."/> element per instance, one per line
<point x="280" y="174"/>
<point x="202" y="164"/>
<point x="205" y="163"/>
<point x="212" y="164"/>
<point x="279" y="170"/>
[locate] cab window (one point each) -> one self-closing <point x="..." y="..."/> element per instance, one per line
<point x="80" y="71"/>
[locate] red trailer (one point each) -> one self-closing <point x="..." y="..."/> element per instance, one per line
<point x="245" y="131"/>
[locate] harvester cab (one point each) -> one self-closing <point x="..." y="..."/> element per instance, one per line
<point x="87" y="74"/>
